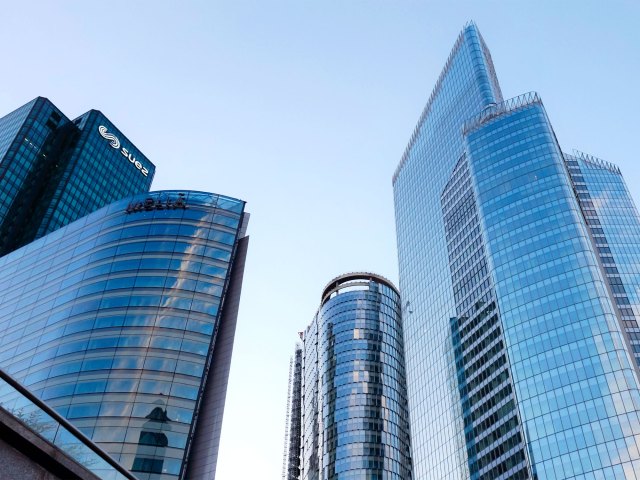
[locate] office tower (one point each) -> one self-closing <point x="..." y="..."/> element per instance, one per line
<point x="517" y="272"/>
<point x="54" y="170"/>
<point x="123" y="322"/>
<point x="614" y="224"/>
<point x="292" y="445"/>
<point x="354" y="417"/>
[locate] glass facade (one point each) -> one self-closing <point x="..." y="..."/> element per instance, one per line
<point x="355" y="421"/>
<point x="614" y="223"/>
<point x="54" y="170"/>
<point x="44" y="422"/>
<point x="293" y="437"/>
<point x="521" y="292"/>
<point x="112" y="318"/>
<point x="574" y="378"/>
<point x="466" y="86"/>
<point x="310" y="454"/>
<point x="494" y="439"/>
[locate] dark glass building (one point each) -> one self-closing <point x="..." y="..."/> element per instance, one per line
<point x="354" y="415"/>
<point x="519" y="272"/>
<point x="293" y="437"/>
<point x="54" y="170"/>
<point x="123" y="322"/>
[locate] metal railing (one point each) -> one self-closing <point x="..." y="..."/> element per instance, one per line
<point x="48" y="424"/>
<point x="598" y="162"/>
<point x="497" y="109"/>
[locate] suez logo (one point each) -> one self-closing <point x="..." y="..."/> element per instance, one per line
<point x="115" y="143"/>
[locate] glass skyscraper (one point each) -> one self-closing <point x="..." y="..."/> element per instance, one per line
<point x="123" y="322"/>
<point x="519" y="271"/>
<point x="293" y="437"/>
<point x="614" y="223"/>
<point x="54" y="170"/>
<point x="351" y="403"/>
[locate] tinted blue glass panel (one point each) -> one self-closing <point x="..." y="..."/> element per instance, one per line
<point x="566" y="348"/>
<point x="123" y="321"/>
<point x="466" y="86"/>
<point x="54" y="171"/>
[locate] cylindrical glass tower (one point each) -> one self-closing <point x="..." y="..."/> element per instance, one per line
<point x="361" y="386"/>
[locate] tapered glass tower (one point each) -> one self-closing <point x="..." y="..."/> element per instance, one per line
<point x="517" y="267"/>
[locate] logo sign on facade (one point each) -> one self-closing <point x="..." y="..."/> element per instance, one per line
<point x="150" y="204"/>
<point x="115" y="143"/>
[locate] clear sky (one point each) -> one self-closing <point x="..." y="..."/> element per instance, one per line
<point x="303" y="109"/>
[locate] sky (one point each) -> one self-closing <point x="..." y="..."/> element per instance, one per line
<point x="303" y="109"/>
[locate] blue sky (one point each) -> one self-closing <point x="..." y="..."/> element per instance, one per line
<point x="304" y="109"/>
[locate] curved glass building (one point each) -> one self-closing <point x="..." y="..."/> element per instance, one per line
<point x="354" y="414"/>
<point x="112" y="320"/>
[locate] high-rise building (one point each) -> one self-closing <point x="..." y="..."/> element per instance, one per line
<point x="614" y="224"/>
<point x="54" y="170"/>
<point x="351" y="400"/>
<point x="293" y="431"/>
<point x="519" y="272"/>
<point x="123" y="322"/>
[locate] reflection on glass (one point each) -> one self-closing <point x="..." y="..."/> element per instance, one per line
<point x="153" y="441"/>
<point x="83" y="332"/>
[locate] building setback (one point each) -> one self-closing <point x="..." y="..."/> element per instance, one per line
<point x="519" y="267"/>
<point x="54" y="170"/>
<point x="353" y="418"/>
<point x="123" y="322"/>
